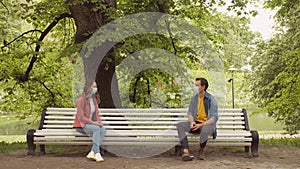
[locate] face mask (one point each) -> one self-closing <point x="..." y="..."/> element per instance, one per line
<point x="196" y="89"/>
<point x="95" y="89"/>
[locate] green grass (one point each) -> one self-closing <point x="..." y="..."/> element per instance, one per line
<point x="6" y="147"/>
<point x="272" y="132"/>
<point x="295" y="142"/>
<point x="14" y="125"/>
<point x="12" y="138"/>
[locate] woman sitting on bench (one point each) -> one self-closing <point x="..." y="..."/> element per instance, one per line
<point x="87" y="119"/>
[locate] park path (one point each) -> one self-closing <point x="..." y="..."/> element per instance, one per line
<point x="270" y="157"/>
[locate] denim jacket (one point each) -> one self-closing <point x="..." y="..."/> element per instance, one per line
<point x="210" y="106"/>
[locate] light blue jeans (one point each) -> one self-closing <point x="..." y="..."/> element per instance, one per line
<point x="98" y="134"/>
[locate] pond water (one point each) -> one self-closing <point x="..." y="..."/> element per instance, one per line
<point x="262" y="122"/>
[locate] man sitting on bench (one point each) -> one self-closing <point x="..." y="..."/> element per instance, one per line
<point x="202" y="118"/>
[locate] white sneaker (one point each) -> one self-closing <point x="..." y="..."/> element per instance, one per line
<point x="98" y="157"/>
<point x="91" y="155"/>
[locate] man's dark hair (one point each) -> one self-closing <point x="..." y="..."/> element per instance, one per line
<point x="203" y="82"/>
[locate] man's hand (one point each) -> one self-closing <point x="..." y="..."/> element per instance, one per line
<point x="197" y="126"/>
<point x="192" y="124"/>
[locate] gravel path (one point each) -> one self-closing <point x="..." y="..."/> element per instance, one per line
<point x="270" y="157"/>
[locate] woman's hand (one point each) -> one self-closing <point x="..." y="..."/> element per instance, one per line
<point x="97" y="123"/>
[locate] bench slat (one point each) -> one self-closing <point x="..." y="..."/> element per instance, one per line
<point x="69" y="116"/>
<point x="141" y="139"/>
<point x="138" y="111"/>
<point x="145" y="110"/>
<point x="135" y="132"/>
<point x="224" y="121"/>
<point x="145" y="126"/>
<point x="68" y="119"/>
<point x="143" y="120"/>
<point x="174" y="114"/>
<point x="73" y="113"/>
<point x="143" y="143"/>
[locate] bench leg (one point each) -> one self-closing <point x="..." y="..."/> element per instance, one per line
<point x="42" y="149"/>
<point x="30" y="144"/>
<point x="254" y="143"/>
<point x="247" y="149"/>
<point x="178" y="150"/>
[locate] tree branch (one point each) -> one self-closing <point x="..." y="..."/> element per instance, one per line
<point x="25" y="77"/>
<point x="52" y="94"/>
<point x="171" y="36"/>
<point x="7" y="44"/>
<point x="5" y="6"/>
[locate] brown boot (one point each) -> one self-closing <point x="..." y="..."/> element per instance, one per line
<point x="202" y="155"/>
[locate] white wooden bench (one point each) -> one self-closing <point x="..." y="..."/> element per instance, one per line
<point x="140" y="127"/>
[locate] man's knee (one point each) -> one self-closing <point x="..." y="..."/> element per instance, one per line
<point x="179" y="125"/>
<point x="207" y="129"/>
<point x="205" y="133"/>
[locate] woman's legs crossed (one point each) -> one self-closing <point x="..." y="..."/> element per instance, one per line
<point x="98" y="134"/>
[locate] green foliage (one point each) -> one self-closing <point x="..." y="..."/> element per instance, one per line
<point x="40" y="14"/>
<point x="275" y="77"/>
<point x="285" y="103"/>
<point x="9" y="23"/>
<point x="50" y="80"/>
<point x="275" y="82"/>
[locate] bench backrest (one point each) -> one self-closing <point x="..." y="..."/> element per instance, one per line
<point x="152" y="119"/>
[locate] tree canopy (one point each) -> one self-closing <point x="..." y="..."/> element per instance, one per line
<point x="275" y="77"/>
<point x="43" y="40"/>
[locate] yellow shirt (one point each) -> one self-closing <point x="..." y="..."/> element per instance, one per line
<point x="201" y="117"/>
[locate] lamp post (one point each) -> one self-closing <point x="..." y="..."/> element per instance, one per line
<point x="232" y="69"/>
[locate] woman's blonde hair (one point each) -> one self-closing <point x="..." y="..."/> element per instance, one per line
<point x="87" y="91"/>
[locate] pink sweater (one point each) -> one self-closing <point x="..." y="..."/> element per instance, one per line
<point x="84" y="113"/>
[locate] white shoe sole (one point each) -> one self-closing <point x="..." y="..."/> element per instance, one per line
<point x="99" y="160"/>
<point x="92" y="158"/>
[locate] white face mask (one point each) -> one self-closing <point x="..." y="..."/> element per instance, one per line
<point x="196" y="89"/>
<point x="95" y="89"/>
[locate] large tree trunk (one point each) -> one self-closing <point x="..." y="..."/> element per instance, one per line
<point x="87" y="22"/>
<point x="109" y="94"/>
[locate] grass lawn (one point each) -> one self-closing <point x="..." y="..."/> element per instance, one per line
<point x="14" y="125"/>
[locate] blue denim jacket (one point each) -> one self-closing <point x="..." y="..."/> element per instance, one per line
<point x="210" y="105"/>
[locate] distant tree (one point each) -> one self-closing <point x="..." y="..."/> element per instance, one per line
<point x="275" y="79"/>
